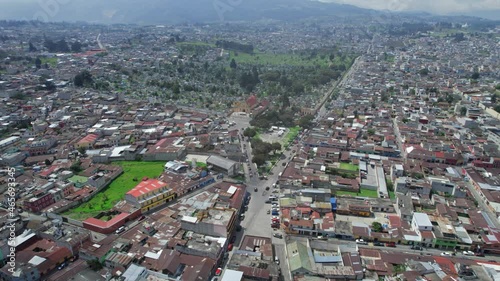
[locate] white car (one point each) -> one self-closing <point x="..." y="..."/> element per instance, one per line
<point x="468" y="253"/>
<point x="445" y="254"/>
<point x="361" y="241"/>
<point x="120" y="230"/>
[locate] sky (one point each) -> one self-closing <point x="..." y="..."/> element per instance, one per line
<point x="432" y="6"/>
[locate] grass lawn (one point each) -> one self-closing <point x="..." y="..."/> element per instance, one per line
<point x="392" y="195"/>
<point x="348" y="167"/>
<point x="195" y="43"/>
<point x="78" y="179"/>
<point x="50" y="61"/>
<point x="292" y="134"/>
<point x="362" y="193"/>
<point x="115" y="192"/>
<point x="278" y="59"/>
<point x="201" y="164"/>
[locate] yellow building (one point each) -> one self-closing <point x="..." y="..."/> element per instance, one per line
<point x="149" y="194"/>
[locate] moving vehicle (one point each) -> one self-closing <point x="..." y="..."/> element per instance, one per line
<point x="63" y="265"/>
<point x="120" y="230"/>
<point x="278" y="235"/>
<point x="414" y="247"/>
<point x="445" y="254"/>
<point x="468" y="253"/>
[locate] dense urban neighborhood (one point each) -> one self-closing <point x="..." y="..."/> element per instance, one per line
<point x="310" y="150"/>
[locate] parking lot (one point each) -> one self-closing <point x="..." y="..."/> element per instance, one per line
<point x="274" y="136"/>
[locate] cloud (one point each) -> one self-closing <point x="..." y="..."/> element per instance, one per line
<point x="433" y="6"/>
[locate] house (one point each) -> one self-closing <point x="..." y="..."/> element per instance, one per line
<point x="298" y="258"/>
<point x="224" y="165"/>
<point x="149" y="194"/>
<point x="87" y="142"/>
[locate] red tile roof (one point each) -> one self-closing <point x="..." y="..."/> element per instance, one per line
<point x="89" y="138"/>
<point x="252" y="101"/>
<point x="146" y="186"/>
<point x="106" y="224"/>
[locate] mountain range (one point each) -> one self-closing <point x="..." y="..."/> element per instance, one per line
<point x="176" y="11"/>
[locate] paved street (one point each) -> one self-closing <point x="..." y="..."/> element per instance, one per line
<point x="257" y="221"/>
<point x="483" y="206"/>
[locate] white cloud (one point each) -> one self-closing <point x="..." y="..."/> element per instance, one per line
<point x="433" y="6"/>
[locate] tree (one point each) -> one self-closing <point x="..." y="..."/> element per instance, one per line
<point x="83" y="79"/>
<point x="76" y="167"/>
<point x="259" y="159"/>
<point x="377" y="227"/>
<point x="32" y="48"/>
<point x="38" y="63"/>
<point x="62" y="46"/>
<point x="233" y="64"/>
<point x="94" y="264"/>
<point x="463" y="111"/>
<point x="449" y="98"/>
<point x="250" y="132"/>
<point x="423" y="71"/>
<point x="306" y="121"/>
<point x="50" y="85"/>
<point x="276" y="146"/>
<point x="76" y="47"/>
<point x="82" y="150"/>
<point x="47" y="162"/>
<point x="497" y="108"/>
<point x="371" y="132"/>
<point x="285" y="101"/>
<point x="475" y="76"/>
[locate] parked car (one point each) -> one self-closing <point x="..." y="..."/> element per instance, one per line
<point x="445" y="254"/>
<point x="120" y="230"/>
<point x="278" y="235"/>
<point x="414" y="247"/>
<point x="379" y="244"/>
<point x="268" y="212"/>
<point x="142" y="218"/>
<point x="468" y="253"/>
<point x="390" y="244"/>
<point x="230" y="247"/>
<point x="361" y="241"/>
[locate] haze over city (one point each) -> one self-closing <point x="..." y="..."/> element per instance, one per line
<point x="235" y="140"/>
